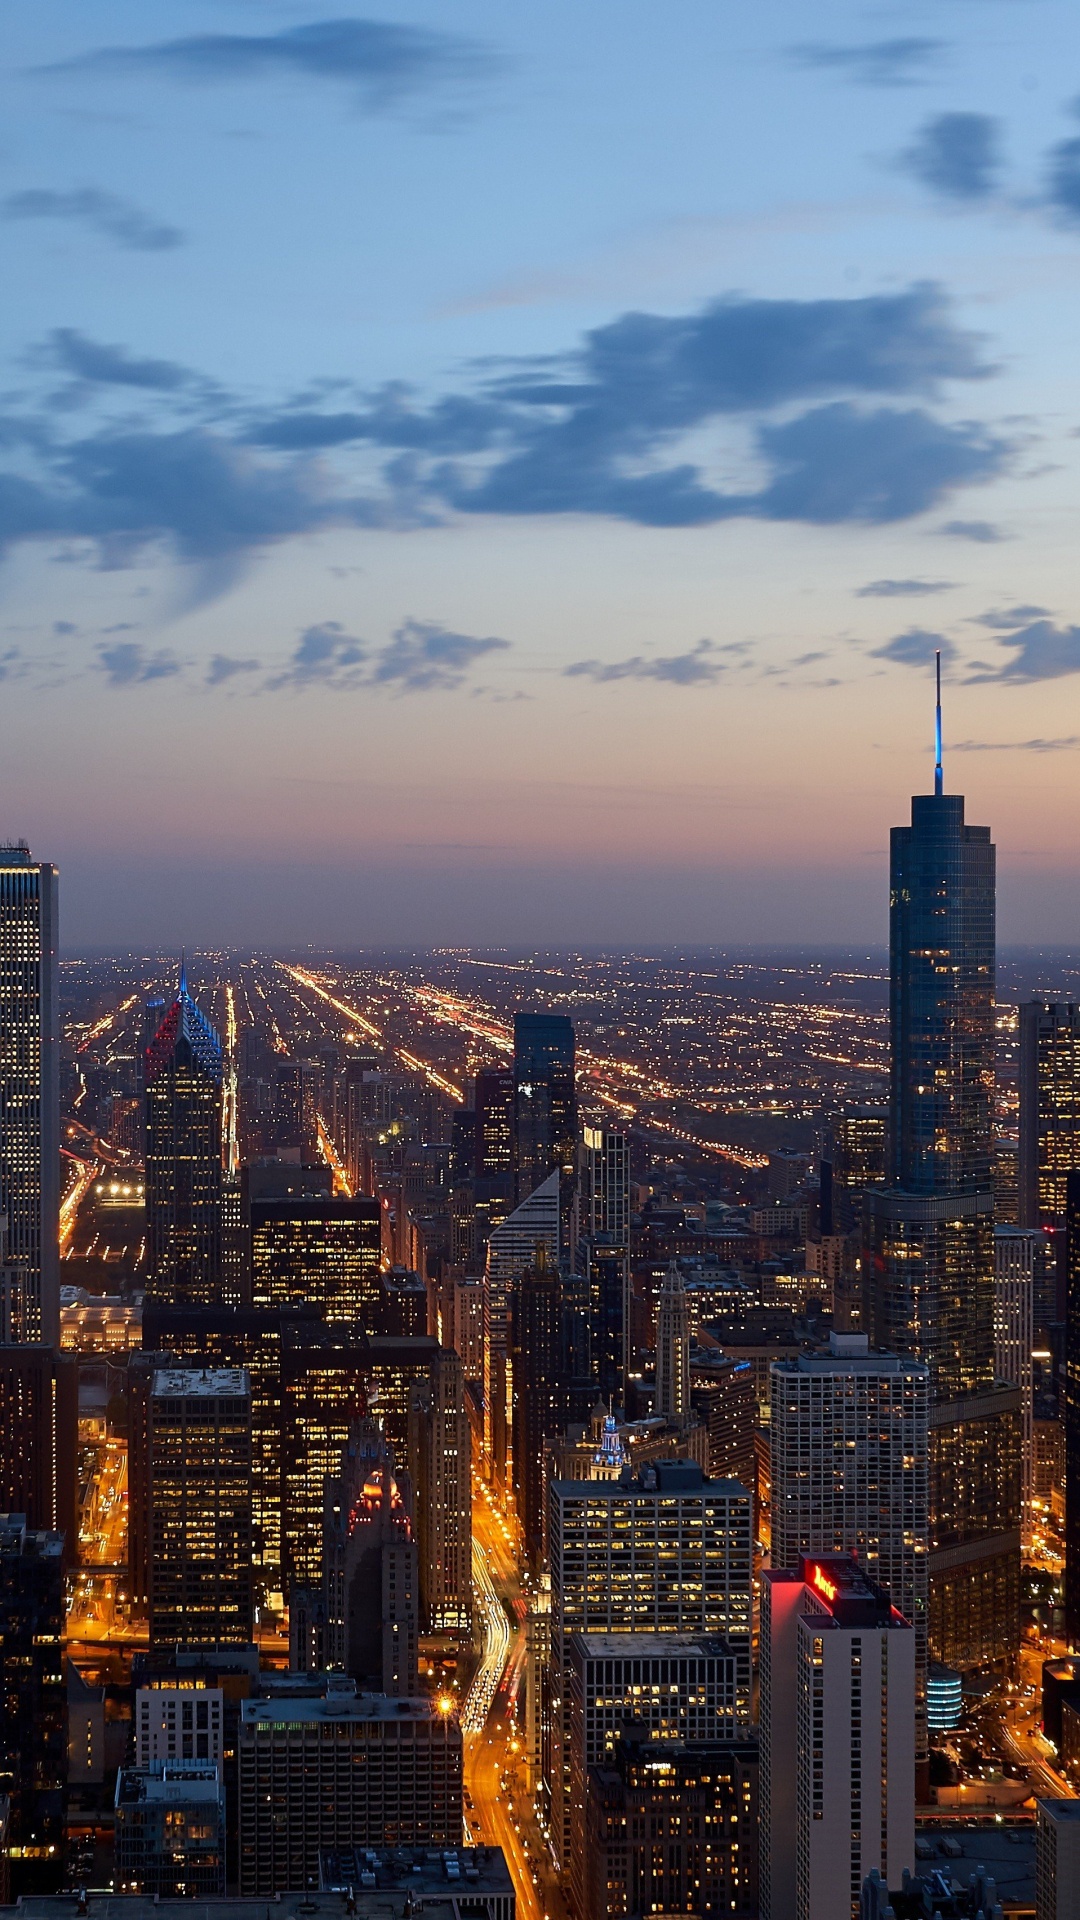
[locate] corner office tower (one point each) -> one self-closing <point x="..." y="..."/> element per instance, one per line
<point x="184" y="1075"/>
<point x="929" y="1270"/>
<point x="29" y="1099"/>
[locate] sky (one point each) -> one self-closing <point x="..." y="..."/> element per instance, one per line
<point x="485" y="475"/>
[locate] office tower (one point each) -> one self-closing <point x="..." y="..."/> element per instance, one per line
<point x="667" y="1551"/>
<point x="596" y="1300"/>
<point x="33" y="1720"/>
<point x="346" y="1770"/>
<point x="859" y="1160"/>
<point x="723" y="1397"/>
<point x="493" y="1137"/>
<point x="184" y="1074"/>
<point x="1015" y="1253"/>
<point x="670" y="1687"/>
<point x="318" y="1252"/>
<point x="1006" y="1183"/>
<point x="837" y="1734"/>
<point x="545" y="1101"/>
<point x="539" y="1406"/>
<point x="1057" y="1860"/>
<point x="849" y="1448"/>
<point x="30" y="1089"/>
<point x="512" y="1247"/>
<point x="671" y="1829"/>
<point x="200" y="1507"/>
<point x="928" y="1257"/>
<point x="370" y="1579"/>
<point x="1071" y="1395"/>
<point x="169" y="1825"/>
<point x="604" y="1184"/>
<point x="39" y="1418"/>
<point x="440" y="1444"/>
<point x="178" y="1723"/>
<point x="1049" y="1108"/>
<point x="673" y="1347"/>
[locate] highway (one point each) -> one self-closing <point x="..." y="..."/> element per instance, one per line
<point x="497" y="1809"/>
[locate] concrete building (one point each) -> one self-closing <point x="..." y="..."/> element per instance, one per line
<point x="170" y="1831"/>
<point x="341" y="1770"/>
<point x="1015" y="1252"/>
<point x="837" y="1734"/>
<point x="440" y="1451"/>
<point x="671" y="1829"/>
<point x="174" y="1724"/>
<point x="30" y="1095"/>
<point x="511" y="1248"/>
<point x="1057" y="1860"/>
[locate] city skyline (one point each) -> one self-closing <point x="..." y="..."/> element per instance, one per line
<point x="467" y="485"/>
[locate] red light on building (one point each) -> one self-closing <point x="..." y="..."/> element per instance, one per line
<point x="821" y="1583"/>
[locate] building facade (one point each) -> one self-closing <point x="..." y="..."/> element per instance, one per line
<point x="1049" y="1108"/>
<point x="184" y="1075"/>
<point x="200" y="1507"/>
<point x="29" y="1095"/>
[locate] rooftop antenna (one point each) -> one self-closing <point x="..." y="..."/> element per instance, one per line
<point x="939" y="779"/>
<point x="183" y="953"/>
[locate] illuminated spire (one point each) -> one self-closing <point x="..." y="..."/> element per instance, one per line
<point x="939" y="778"/>
<point x="183" y="963"/>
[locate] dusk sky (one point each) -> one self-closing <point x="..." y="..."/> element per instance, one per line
<point x="488" y="474"/>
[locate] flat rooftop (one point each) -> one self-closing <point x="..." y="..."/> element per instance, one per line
<point x="656" y="1646"/>
<point x="337" y="1705"/>
<point x="200" y="1383"/>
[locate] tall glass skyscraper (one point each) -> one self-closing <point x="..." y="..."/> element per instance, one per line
<point x="184" y="1078"/>
<point x="545" y="1099"/>
<point x="29" y="1096"/>
<point x="928" y="1269"/>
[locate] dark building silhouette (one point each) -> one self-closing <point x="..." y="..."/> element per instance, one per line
<point x="29" y="1092"/>
<point x="39" y="1418"/>
<point x="671" y="1828"/>
<point x="1049" y="1109"/>
<point x="1072" y="1412"/>
<point x="370" y="1573"/>
<point x="539" y="1404"/>
<point x="183" y="1156"/>
<point x="33" y="1704"/>
<point x="545" y="1100"/>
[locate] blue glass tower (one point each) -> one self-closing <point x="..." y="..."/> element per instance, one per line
<point x="545" y="1100"/>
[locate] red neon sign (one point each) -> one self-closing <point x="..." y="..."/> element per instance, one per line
<point x="825" y="1586"/>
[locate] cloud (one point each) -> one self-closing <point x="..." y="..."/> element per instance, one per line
<point x="1010" y="617"/>
<point x="839" y="464"/>
<point x="915" y="648"/>
<point x="382" y="62"/>
<point x="422" y="656"/>
<point x="981" y="531"/>
<point x="324" y="655"/>
<point x="223" y="667"/>
<point x="128" y="664"/>
<point x="102" y="365"/>
<point x="105" y="213"/>
<point x="874" y="63"/>
<point x="1066" y="744"/>
<point x="697" y="667"/>
<point x="957" y="154"/>
<point x="1041" y="651"/>
<point x="901" y="589"/>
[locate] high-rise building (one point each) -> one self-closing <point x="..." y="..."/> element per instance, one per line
<point x="604" y="1183"/>
<point x="184" y="1082"/>
<point x="200" y="1507"/>
<point x="440" y="1443"/>
<point x="849" y="1446"/>
<point x="1049" y="1108"/>
<point x="1057" y="1860"/>
<point x="512" y="1247"/>
<point x="837" y="1733"/>
<point x="344" y="1770"/>
<point x="667" y="1551"/>
<point x="928" y="1255"/>
<point x="673" y="1347"/>
<point x="545" y="1100"/>
<point x="39" y="1417"/>
<point x="178" y="1723"/>
<point x="859" y="1160"/>
<point x="370" y="1577"/>
<point x="666" y="1687"/>
<point x="1015" y="1253"/>
<point x="596" y="1296"/>
<point x="672" y="1829"/>
<point x="33" y="1719"/>
<point x="30" y="1091"/>
<point x="539" y="1406"/>
<point x="318" y="1252"/>
<point x="1071" y="1395"/>
<point x="169" y="1823"/>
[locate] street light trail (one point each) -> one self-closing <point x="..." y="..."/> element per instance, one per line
<point x="496" y="1645"/>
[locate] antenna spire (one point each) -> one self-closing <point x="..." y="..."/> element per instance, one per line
<point x="183" y="971"/>
<point x="939" y="778"/>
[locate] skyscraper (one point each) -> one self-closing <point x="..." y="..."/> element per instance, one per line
<point x="440" y="1444"/>
<point x="1072" y="1411"/>
<point x="319" y="1252"/>
<point x="545" y="1100"/>
<point x="536" y="1347"/>
<point x="673" y="1347"/>
<point x="1015" y="1252"/>
<point x="512" y="1247"/>
<point x="369" y="1568"/>
<point x="928" y="1261"/>
<point x="30" y="1090"/>
<point x="184" y="1078"/>
<point x="837" y="1745"/>
<point x="1049" y="1108"/>
<point x="33" y="1731"/>
<point x="200" y="1505"/>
